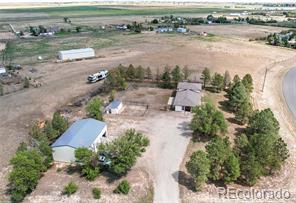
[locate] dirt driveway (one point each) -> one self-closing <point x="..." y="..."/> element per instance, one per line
<point x="169" y="136"/>
<point x="169" y="139"/>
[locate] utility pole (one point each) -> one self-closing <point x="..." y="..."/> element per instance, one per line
<point x="264" y="80"/>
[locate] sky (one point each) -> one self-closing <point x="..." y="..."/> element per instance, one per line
<point x="61" y="1"/>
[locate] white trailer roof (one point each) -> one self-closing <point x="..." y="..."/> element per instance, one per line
<point x="76" y="51"/>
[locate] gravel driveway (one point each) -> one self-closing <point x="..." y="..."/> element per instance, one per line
<point x="169" y="137"/>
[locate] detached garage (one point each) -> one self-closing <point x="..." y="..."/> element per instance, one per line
<point x="75" y="54"/>
<point x="82" y="133"/>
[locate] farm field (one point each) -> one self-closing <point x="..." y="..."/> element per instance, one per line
<point x="227" y="48"/>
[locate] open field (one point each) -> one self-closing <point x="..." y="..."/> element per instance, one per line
<point x="229" y="49"/>
<point x="73" y="11"/>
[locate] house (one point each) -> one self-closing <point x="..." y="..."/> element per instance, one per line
<point x="82" y="133"/>
<point x="2" y="70"/>
<point x="114" y="107"/>
<point x="181" y="30"/>
<point x="163" y="29"/>
<point x="188" y="95"/>
<point x="75" y="54"/>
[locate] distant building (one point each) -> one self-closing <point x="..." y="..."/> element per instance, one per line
<point x="115" y="107"/>
<point x="181" y="30"/>
<point x="82" y="133"/>
<point x="2" y="70"/>
<point x="121" y="27"/>
<point x="163" y="29"/>
<point x="188" y="95"/>
<point x="75" y="54"/>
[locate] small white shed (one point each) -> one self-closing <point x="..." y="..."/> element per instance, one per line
<point x="114" y="107"/>
<point x="75" y="54"/>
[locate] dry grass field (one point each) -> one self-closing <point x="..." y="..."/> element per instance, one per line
<point x="229" y="49"/>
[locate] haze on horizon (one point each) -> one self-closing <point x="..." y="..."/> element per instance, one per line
<point x="102" y="1"/>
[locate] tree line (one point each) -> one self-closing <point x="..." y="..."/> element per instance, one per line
<point x="169" y="78"/>
<point x="257" y="151"/>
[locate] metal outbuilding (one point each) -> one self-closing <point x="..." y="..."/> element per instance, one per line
<point x="75" y="54"/>
<point x="114" y="107"/>
<point x="82" y="133"/>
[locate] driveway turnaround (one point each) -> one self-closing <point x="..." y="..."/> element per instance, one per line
<point x="289" y="90"/>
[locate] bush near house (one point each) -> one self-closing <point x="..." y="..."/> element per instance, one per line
<point x="96" y="193"/>
<point x="122" y="188"/>
<point x="70" y="189"/>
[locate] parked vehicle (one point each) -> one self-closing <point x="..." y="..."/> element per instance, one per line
<point x="98" y="76"/>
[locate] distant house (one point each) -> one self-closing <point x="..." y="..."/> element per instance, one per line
<point x="2" y="70"/>
<point x="188" y="95"/>
<point x="114" y="107"/>
<point x="181" y="30"/>
<point x="163" y="29"/>
<point x="82" y="133"/>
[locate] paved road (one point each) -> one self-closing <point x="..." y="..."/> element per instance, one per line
<point x="289" y="90"/>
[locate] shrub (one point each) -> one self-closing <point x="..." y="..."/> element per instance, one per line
<point x="96" y="193"/>
<point x="70" y="189"/>
<point x="94" y="109"/>
<point x="123" y="187"/>
<point x="26" y="83"/>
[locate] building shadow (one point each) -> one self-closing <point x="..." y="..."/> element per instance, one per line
<point x="184" y="179"/>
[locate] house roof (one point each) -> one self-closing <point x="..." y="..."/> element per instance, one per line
<point x="114" y="104"/>
<point x="188" y="85"/>
<point x="188" y="94"/>
<point x="82" y="133"/>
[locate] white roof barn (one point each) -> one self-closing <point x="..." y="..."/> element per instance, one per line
<point x="82" y="133"/>
<point x="75" y="54"/>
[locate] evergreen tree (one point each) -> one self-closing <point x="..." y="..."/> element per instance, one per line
<point x="166" y="78"/>
<point x="177" y="75"/>
<point x="218" y="82"/>
<point x="59" y="123"/>
<point x="140" y="73"/>
<point x="248" y="82"/>
<point x="207" y="120"/>
<point x="237" y="95"/>
<point x="206" y="76"/>
<point x="149" y="73"/>
<point x="131" y="72"/>
<point x="199" y="167"/>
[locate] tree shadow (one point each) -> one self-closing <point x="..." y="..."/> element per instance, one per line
<point x="198" y="137"/>
<point x="111" y="177"/>
<point x="185" y="128"/>
<point x="184" y="179"/>
<point x="218" y="183"/>
<point x="233" y="120"/>
<point x="223" y="105"/>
